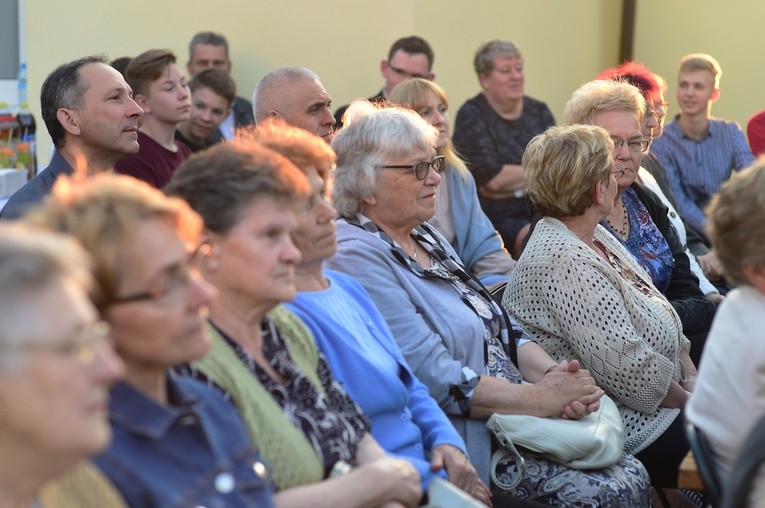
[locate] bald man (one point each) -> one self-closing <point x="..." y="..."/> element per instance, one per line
<point x="296" y="95"/>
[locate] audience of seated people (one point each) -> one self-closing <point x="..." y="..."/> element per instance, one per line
<point x="265" y="358"/>
<point x="454" y="337"/>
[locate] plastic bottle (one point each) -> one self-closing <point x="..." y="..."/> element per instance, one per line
<point x="21" y="83"/>
<point x="8" y="129"/>
<point x="25" y="148"/>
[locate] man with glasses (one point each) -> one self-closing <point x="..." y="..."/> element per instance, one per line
<point x="296" y="95"/>
<point x="408" y="57"/>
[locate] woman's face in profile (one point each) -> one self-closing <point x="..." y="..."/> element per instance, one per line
<point x="161" y="321"/>
<point x="255" y="261"/>
<point x="56" y="404"/>
<point x="435" y="113"/>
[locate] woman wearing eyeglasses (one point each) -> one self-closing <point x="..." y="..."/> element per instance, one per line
<point x="454" y="337"/>
<point x="56" y="367"/>
<point x="176" y="442"/>
<point x="458" y="217"/>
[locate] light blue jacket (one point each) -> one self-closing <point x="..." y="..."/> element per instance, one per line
<point x="357" y="342"/>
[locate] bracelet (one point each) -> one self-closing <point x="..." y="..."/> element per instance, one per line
<point x="550" y="369"/>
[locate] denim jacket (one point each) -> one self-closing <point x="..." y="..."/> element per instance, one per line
<point x="191" y="452"/>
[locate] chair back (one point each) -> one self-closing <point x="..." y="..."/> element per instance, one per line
<point x="705" y="461"/>
<point x="741" y="481"/>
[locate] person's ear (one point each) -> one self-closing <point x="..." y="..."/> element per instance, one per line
<point x="432" y="76"/>
<point x="383" y="67"/>
<point x="69" y="121"/>
<point x="483" y="79"/>
<point x="755" y="275"/>
<point x="369" y="200"/>
<point x="599" y="193"/>
<point x="715" y="94"/>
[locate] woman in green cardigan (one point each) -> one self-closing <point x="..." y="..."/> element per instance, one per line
<point x="263" y="358"/>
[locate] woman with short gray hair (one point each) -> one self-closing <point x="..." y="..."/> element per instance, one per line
<point x="453" y="336"/>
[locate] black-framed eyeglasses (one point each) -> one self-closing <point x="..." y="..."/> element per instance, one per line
<point x="422" y="168"/>
<point x="172" y="284"/>
<point x="634" y="145"/>
<point x="408" y="75"/>
<point x="81" y="347"/>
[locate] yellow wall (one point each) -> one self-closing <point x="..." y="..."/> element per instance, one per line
<point x="731" y="31"/>
<point x="565" y="43"/>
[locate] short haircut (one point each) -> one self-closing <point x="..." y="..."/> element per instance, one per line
<point x="364" y="145"/>
<point x="216" y="80"/>
<point x="483" y="62"/>
<point x="636" y="74"/>
<point x="102" y="213"/>
<point x="220" y="183"/>
<point x="701" y="62"/>
<point x="562" y="166"/>
<point x="147" y="68"/>
<point x="413" y="94"/>
<point x="600" y="96"/>
<point x="273" y="90"/>
<point x="207" y="38"/>
<point x="31" y="261"/>
<point x="413" y="45"/>
<point x="737" y="221"/>
<point x="64" y="88"/>
<point x="301" y="147"/>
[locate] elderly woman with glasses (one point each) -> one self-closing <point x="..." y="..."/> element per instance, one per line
<point x="581" y="294"/>
<point x="176" y="442"/>
<point x="458" y="217"/>
<point x="55" y="369"/>
<point x="455" y="339"/>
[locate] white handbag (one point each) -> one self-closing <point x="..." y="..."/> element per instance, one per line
<point x="592" y="442"/>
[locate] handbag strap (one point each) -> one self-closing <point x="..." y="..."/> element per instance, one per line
<point x="508" y="449"/>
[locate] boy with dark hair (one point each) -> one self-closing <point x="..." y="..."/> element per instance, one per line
<point x="212" y="93"/>
<point x="160" y="89"/>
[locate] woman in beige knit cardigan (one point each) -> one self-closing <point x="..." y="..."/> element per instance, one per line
<point x="580" y="294"/>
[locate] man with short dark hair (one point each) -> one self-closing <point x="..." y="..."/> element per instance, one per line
<point x="212" y="93"/>
<point x="408" y="57"/>
<point x="91" y="116"/>
<point x="209" y="50"/>
<point x="161" y="90"/>
<point x="296" y="95"/>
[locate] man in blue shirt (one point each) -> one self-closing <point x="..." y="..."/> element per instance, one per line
<point x="698" y="151"/>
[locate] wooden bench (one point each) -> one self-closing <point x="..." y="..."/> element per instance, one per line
<point x="689" y="477"/>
